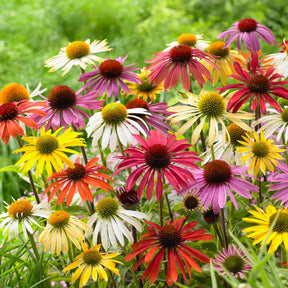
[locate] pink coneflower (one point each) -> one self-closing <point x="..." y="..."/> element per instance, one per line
<point x="248" y="29"/>
<point x="217" y="180"/>
<point x="282" y="186"/>
<point x="109" y="76"/>
<point x="156" y="159"/>
<point x="234" y="260"/>
<point x="156" y="118"/>
<point x="63" y="108"/>
<point x="179" y="60"/>
<point x="260" y="85"/>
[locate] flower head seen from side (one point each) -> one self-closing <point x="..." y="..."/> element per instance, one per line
<point x="145" y="89"/>
<point x="14" y="92"/>
<point x="108" y="221"/>
<point x="208" y="107"/>
<point x="109" y="76"/>
<point x="259" y="87"/>
<point x="22" y="213"/>
<point x="64" y="108"/>
<point x="61" y="228"/>
<point x="13" y="112"/>
<point x="158" y="157"/>
<point x="232" y="259"/>
<point x="90" y="263"/>
<point x="157" y="117"/>
<point x="265" y="220"/>
<point x="79" y="53"/>
<point x="115" y="122"/>
<point x="224" y="59"/>
<point x="218" y="179"/>
<point x="194" y="41"/>
<point x="181" y="60"/>
<point x="78" y="179"/>
<point x="170" y="240"/>
<point x="261" y="152"/>
<point x="248" y="30"/>
<point x="128" y="198"/>
<point x="49" y="150"/>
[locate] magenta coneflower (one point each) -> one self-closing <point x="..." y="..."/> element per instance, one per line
<point x="156" y="159"/>
<point x="248" y="29"/>
<point x="234" y="260"/>
<point x="63" y="108"/>
<point x="169" y="65"/>
<point x="217" y="180"/>
<point x="109" y="76"/>
<point x="259" y="86"/>
<point x="156" y="118"/>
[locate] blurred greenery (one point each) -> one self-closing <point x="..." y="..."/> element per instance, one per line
<point x="32" y="31"/>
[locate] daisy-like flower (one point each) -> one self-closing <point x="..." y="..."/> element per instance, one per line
<point x="78" y="179"/>
<point x="15" y="92"/>
<point x="209" y="107"/>
<point x="115" y="123"/>
<point x="259" y="86"/>
<point x="260" y="151"/>
<point x="280" y="60"/>
<point x="90" y="263"/>
<point x="108" y="222"/>
<point x="234" y="260"/>
<point x="49" y="150"/>
<point x="192" y="201"/>
<point x="63" y="108"/>
<point x="194" y="41"/>
<point x="169" y="240"/>
<point x="61" y="228"/>
<point x="265" y="220"/>
<point x="157" y="117"/>
<point x="169" y="65"/>
<point x="109" y="76"/>
<point x="10" y="113"/>
<point x="218" y="179"/>
<point x="248" y="29"/>
<point x="225" y="57"/>
<point x="145" y="89"/>
<point x="77" y="53"/>
<point x="22" y="213"/>
<point x="159" y="157"/>
<point x="281" y="186"/>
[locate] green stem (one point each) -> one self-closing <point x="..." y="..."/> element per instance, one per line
<point x="218" y="234"/>
<point x="103" y="159"/>
<point x="168" y="205"/>
<point x="33" y="244"/>
<point x="222" y="222"/>
<point x="212" y="152"/>
<point x="257" y="116"/>
<point x="70" y="251"/>
<point x="112" y="279"/>
<point x="135" y="279"/>
<point x="202" y="137"/>
<point x="161" y="212"/>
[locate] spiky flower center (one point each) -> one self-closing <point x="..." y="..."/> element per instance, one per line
<point x="181" y="53"/>
<point x="260" y="149"/>
<point x="236" y="133"/>
<point x="76" y="173"/>
<point x="77" y="49"/>
<point x="217" y="49"/>
<point x="211" y="104"/>
<point x="284" y="115"/>
<point x="281" y="224"/>
<point x="61" y="97"/>
<point x="47" y="144"/>
<point x="111" y="68"/>
<point x="258" y="84"/>
<point x="20" y="209"/>
<point x="157" y="156"/>
<point x="209" y="216"/>
<point x="169" y="236"/>
<point x="146" y="85"/>
<point x="92" y="256"/>
<point x="8" y="111"/>
<point x="107" y="207"/>
<point x="190" y="202"/>
<point x="247" y="25"/>
<point x="187" y="39"/>
<point x="137" y="103"/>
<point x="234" y="263"/>
<point x="59" y="219"/>
<point x="13" y="92"/>
<point x="127" y="198"/>
<point x="217" y="171"/>
<point x="114" y="113"/>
